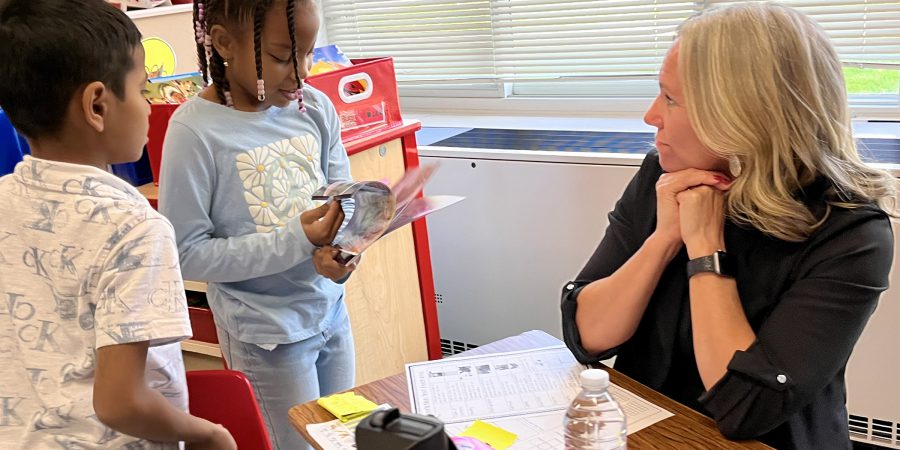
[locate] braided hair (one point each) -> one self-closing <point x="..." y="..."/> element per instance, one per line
<point x="200" y="36"/>
<point x="238" y="13"/>
<point x="258" y="16"/>
<point x="292" y="32"/>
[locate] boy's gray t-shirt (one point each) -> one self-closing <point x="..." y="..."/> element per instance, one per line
<point x="85" y="262"/>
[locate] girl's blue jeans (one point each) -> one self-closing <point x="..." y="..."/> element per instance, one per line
<point x="295" y="373"/>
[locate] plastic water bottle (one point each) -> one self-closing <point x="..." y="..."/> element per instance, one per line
<point x="594" y="420"/>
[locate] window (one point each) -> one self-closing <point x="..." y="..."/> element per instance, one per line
<point x="577" y="48"/>
<point x="873" y="83"/>
<point x="437" y="45"/>
<point x="867" y="36"/>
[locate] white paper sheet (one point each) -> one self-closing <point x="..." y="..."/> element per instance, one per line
<point x="545" y="430"/>
<point x="335" y="435"/>
<point x="639" y="413"/>
<point x="525" y="393"/>
<point x="463" y="389"/>
<point x="534" y="431"/>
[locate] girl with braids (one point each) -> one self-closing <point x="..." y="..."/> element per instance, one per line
<point x="240" y="164"/>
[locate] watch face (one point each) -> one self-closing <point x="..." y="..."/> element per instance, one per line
<point x="717" y="262"/>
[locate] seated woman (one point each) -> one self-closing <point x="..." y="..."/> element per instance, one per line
<point x="745" y="257"/>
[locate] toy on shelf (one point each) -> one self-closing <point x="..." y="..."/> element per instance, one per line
<point x="145" y="3"/>
<point x="165" y="95"/>
<point x="328" y="58"/>
<point x="173" y="90"/>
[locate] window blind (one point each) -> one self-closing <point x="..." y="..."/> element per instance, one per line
<point x="430" y="40"/>
<point x="865" y="31"/>
<point x="489" y="41"/>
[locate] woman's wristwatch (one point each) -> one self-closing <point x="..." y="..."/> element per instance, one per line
<point x="719" y="263"/>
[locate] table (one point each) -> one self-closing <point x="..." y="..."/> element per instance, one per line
<point x="686" y="429"/>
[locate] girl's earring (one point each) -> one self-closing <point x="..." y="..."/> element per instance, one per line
<point x="735" y="166"/>
<point x="226" y="63"/>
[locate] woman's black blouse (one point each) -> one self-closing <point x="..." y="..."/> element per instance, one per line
<point x="807" y="303"/>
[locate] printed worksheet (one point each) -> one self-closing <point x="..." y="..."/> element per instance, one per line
<point x="526" y="393"/>
<point x="533" y="431"/>
<point x="491" y="386"/>
<point x="639" y="413"/>
<point x="544" y="431"/>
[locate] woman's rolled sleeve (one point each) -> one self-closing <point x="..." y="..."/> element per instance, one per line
<point x="571" y="335"/>
<point x="624" y="236"/>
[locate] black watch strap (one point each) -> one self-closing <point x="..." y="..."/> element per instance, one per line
<point x="719" y="263"/>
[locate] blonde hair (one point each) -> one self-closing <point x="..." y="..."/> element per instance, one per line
<point x="764" y="85"/>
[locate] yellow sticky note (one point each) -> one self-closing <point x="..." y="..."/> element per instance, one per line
<point x="347" y="406"/>
<point x="491" y="435"/>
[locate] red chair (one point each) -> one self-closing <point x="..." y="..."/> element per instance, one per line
<point x="226" y="397"/>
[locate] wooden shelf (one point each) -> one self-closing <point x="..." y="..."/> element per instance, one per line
<point x="203" y="348"/>
<point x="150" y="190"/>
<point x="195" y="286"/>
<point x="201" y="356"/>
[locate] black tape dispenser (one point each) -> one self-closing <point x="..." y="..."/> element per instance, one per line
<point x="391" y="430"/>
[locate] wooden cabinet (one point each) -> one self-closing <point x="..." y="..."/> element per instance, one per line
<point x="201" y="356"/>
<point x="383" y="296"/>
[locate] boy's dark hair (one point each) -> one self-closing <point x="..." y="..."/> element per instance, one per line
<point x="51" y="48"/>
<point x="235" y="13"/>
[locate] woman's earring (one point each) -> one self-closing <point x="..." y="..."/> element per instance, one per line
<point x="735" y="166"/>
<point x="226" y="63"/>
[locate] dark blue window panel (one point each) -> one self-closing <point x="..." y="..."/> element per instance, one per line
<point x="871" y="149"/>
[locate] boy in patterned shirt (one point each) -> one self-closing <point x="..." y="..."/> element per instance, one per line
<point x="94" y="303"/>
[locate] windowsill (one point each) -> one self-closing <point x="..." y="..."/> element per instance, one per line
<point x="518" y="121"/>
<point x="627" y="108"/>
<point x="576" y="108"/>
<point x="456" y="122"/>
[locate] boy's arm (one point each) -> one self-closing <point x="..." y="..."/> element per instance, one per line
<point x="140" y="303"/>
<point x="124" y="402"/>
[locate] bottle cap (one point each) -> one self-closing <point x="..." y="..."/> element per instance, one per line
<point x="594" y="379"/>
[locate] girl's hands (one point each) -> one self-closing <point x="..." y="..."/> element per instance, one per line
<point x="321" y="224"/>
<point x="328" y="267"/>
